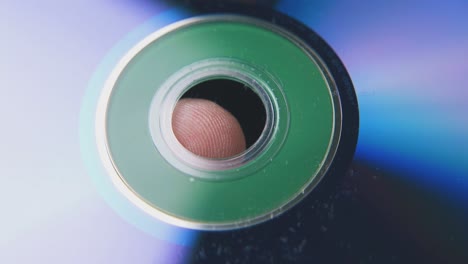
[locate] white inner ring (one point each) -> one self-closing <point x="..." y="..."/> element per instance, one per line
<point x="166" y="98"/>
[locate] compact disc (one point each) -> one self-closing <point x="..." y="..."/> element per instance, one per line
<point x="78" y="107"/>
<point x="302" y="88"/>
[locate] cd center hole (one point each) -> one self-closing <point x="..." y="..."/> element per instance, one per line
<point x="219" y="118"/>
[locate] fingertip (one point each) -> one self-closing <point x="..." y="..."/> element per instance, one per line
<point x="207" y="129"/>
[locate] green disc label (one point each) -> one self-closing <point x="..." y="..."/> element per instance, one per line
<point x="299" y="151"/>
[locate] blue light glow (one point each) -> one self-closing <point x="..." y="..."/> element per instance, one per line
<point x="407" y="62"/>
